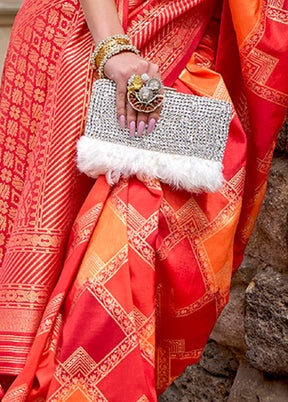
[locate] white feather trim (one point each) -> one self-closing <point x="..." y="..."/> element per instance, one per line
<point x="96" y="157"/>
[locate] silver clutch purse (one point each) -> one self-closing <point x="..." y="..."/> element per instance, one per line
<point x="185" y="149"/>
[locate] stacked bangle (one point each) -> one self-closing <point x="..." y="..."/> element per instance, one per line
<point x="107" y="47"/>
<point x="116" y="50"/>
<point x="110" y="47"/>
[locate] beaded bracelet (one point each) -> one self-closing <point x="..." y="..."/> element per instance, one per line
<point x="116" y="50"/>
<point x="108" y="47"/>
<point x="115" y="39"/>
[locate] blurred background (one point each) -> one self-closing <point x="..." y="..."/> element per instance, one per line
<point x="8" y="10"/>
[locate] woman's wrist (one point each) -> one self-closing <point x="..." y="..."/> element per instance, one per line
<point x="124" y="48"/>
<point x="109" y="47"/>
<point x="106" y="45"/>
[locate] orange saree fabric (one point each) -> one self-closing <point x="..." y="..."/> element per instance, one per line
<point x="44" y="97"/>
<point x="147" y="269"/>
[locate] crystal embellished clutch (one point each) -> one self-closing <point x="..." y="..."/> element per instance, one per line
<point x="185" y="149"/>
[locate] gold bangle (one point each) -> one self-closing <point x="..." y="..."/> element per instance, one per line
<point x="108" y="47"/>
<point x="112" y="39"/>
<point x="116" y="50"/>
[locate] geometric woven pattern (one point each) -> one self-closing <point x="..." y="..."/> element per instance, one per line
<point x="108" y="318"/>
<point x="117" y="294"/>
<point x="43" y="106"/>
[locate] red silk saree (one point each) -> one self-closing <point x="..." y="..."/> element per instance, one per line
<point x="110" y="292"/>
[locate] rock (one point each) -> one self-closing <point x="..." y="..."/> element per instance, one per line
<point x="171" y="394"/>
<point x="245" y="273"/>
<point x="266" y="322"/>
<point x="282" y="142"/>
<point x="250" y="385"/>
<point x="219" y="361"/>
<point x="197" y="385"/>
<point x="229" y="328"/>
<point x="210" y="380"/>
<point x="268" y="243"/>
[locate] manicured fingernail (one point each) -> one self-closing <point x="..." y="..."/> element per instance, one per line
<point x="140" y="128"/>
<point x="132" y="128"/>
<point x="151" y="125"/>
<point x="122" y="121"/>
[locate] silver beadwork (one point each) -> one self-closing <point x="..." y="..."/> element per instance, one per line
<point x="189" y="125"/>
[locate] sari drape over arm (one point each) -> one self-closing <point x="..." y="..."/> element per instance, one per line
<point x="123" y="296"/>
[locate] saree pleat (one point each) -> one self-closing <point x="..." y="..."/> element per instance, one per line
<point x="259" y="93"/>
<point x="47" y="64"/>
<point x="136" y="289"/>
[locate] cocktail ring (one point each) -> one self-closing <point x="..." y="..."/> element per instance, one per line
<point x="144" y="93"/>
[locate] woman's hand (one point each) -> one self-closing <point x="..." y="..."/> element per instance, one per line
<point x="119" y="68"/>
<point x="103" y="21"/>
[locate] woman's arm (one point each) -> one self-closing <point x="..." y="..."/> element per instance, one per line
<point x="103" y="21"/>
<point x="102" y="18"/>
